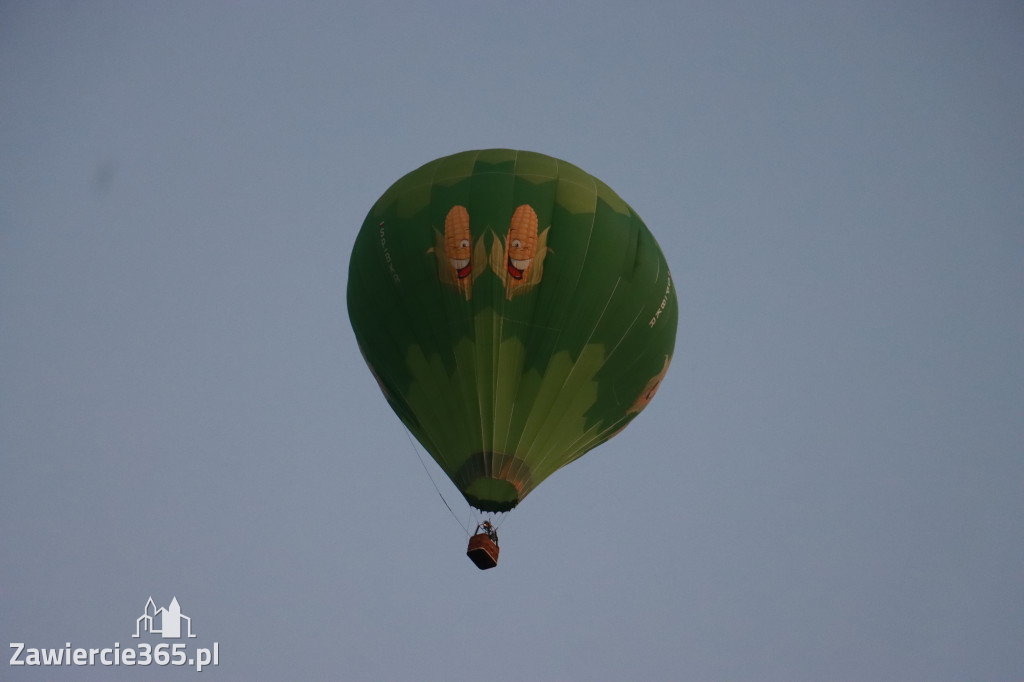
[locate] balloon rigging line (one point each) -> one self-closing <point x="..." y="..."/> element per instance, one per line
<point x="424" y="465"/>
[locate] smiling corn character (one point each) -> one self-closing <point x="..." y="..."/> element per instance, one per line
<point x="647" y="394"/>
<point x="458" y="249"/>
<point x="520" y="246"/>
<point x="458" y="241"/>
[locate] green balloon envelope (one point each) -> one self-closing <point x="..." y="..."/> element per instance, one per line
<point x="515" y="312"/>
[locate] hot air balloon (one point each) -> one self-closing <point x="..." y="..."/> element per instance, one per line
<point x="515" y="312"/>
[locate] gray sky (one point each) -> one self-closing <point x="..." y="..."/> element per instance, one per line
<point x="827" y="487"/>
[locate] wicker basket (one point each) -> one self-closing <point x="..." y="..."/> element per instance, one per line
<point x="483" y="551"/>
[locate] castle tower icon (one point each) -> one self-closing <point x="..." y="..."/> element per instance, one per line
<point x="170" y="620"/>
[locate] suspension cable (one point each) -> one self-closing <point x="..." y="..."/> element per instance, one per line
<point x="424" y="465"/>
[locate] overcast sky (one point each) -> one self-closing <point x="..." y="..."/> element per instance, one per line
<point x="828" y="486"/>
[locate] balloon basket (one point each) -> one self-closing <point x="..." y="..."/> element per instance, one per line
<point x="483" y="551"/>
